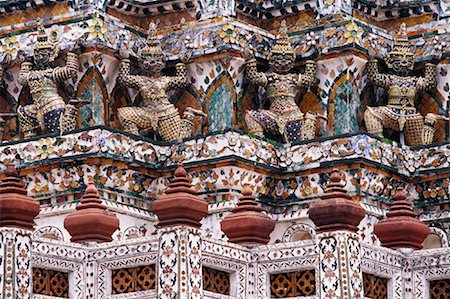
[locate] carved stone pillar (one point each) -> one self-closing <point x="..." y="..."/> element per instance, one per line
<point x="337" y="217"/>
<point x="17" y="213"/>
<point x="180" y="255"/>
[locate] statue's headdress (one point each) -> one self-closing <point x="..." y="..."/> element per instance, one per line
<point x="43" y="43"/>
<point x="401" y="43"/>
<point x="282" y="45"/>
<point x="42" y="39"/>
<point x="153" y="46"/>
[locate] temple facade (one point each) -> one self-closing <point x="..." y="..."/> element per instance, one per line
<point x="224" y="149"/>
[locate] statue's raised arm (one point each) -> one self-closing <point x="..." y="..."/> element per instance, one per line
<point x="400" y="114"/>
<point x="48" y="113"/>
<point x="157" y="115"/>
<point x="284" y="117"/>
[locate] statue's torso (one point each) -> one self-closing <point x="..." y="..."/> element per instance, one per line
<point x="402" y="91"/>
<point x="154" y="91"/>
<point x="44" y="89"/>
<point x="281" y="90"/>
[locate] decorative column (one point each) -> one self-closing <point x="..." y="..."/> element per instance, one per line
<point x="91" y="222"/>
<point x="247" y="225"/>
<point x="337" y="217"/>
<point x="401" y="229"/>
<point x="17" y="213"/>
<point x="180" y="254"/>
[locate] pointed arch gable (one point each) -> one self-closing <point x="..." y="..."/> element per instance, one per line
<point x="343" y="105"/>
<point x="220" y="102"/>
<point x="119" y="98"/>
<point x="190" y="97"/>
<point x="92" y="88"/>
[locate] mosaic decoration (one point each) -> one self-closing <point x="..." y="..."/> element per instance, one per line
<point x="15" y="263"/>
<point x="180" y="265"/>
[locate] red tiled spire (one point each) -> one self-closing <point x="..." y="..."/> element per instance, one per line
<point x="91" y="222"/>
<point x="336" y="210"/>
<point x="246" y="224"/>
<point x="401" y="229"/>
<point x="16" y="208"/>
<point x="180" y="205"/>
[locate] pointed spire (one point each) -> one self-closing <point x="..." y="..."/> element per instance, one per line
<point x="282" y="44"/>
<point x="401" y="228"/>
<point x="16" y="208"/>
<point x="247" y="225"/>
<point x="336" y="210"/>
<point x="180" y="205"/>
<point x="153" y="46"/>
<point x="91" y="222"/>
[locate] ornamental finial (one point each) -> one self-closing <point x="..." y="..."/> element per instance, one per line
<point x="153" y="46"/>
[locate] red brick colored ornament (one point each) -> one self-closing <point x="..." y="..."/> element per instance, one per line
<point x="91" y="222"/>
<point x="246" y="224"/>
<point x="401" y="229"/>
<point x="16" y="208"/>
<point x="180" y="205"/>
<point x="336" y="210"/>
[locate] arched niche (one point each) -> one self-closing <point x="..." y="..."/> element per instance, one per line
<point x="119" y="98"/>
<point x="308" y="100"/>
<point x="432" y="102"/>
<point x="189" y="97"/>
<point x="92" y="89"/>
<point x="220" y="99"/>
<point x="247" y="101"/>
<point x="8" y="105"/>
<point x="298" y="232"/>
<point x="343" y="105"/>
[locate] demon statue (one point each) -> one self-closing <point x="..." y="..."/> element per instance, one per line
<point x="48" y="113"/>
<point x="400" y="114"/>
<point x="157" y="115"/>
<point x="284" y="117"/>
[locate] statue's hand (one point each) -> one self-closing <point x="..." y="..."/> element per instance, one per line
<point x="78" y="47"/>
<point x="371" y="49"/>
<point x="6" y="60"/>
<point x="186" y="56"/>
<point x="123" y="52"/>
<point x="248" y="53"/>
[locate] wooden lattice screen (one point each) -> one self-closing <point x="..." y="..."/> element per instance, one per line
<point x="135" y="279"/>
<point x="375" y="287"/>
<point x="440" y="289"/>
<point x="293" y="284"/>
<point x="216" y="281"/>
<point x="50" y="283"/>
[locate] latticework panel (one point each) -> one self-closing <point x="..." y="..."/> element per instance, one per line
<point x="293" y="284"/>
<point x="216" y="281"/>
<point x="128" y="280"/>
<point x="440" y="289"/>
<point x="375" y="287"/>
<point x="50" y="283"/>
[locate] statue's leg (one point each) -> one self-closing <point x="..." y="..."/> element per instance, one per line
<point x="53" y="120"/>
<point x="169" y="126"/>
<point x="28" y="122"/>
<point x="373" y="117"/>
<point x="413" y="130"/>
<point x="309" y="126"/>
<point x="134" y="118"/>
<point x="259" y="120"/>
<point x="69" y="120"/>
<point x="187" y="122"/>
